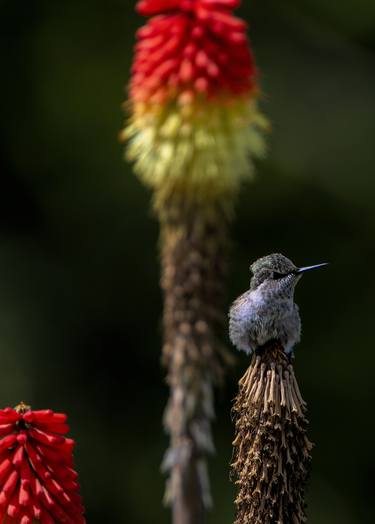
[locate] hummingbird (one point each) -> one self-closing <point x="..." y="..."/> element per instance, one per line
<point x="267" y="311"/>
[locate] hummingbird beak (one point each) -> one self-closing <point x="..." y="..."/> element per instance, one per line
<point x="308" y="268"/>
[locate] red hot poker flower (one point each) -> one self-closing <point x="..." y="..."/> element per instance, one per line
<point x="193" y="129"/>
<point x="38" y="482"/>
<point x="194" y="123"/>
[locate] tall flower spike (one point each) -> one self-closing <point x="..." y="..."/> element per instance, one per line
<point x="193" y="130"/>
<point x="38" y="482"/>
<point x="271" y="455"/>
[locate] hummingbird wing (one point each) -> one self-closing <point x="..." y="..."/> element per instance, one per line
<point x="243" y="325"/>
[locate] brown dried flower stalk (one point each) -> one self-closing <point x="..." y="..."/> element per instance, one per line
<point x="271" y="455"/>
<point x="193" y="269"/>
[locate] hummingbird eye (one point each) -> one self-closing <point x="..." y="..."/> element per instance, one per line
<point x="277" y="276"/>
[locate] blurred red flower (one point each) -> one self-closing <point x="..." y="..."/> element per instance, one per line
<point x="38" y="482"/>
<point x="190" y="47"/>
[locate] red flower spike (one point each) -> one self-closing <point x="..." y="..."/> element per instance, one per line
<point x="191" y="45"/>
<point x="37" y="479"/>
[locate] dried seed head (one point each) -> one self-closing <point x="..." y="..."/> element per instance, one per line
<point x="271" y="451"/>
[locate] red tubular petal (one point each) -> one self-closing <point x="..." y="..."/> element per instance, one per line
<point x="76" y="500"/>
<point x="69" y="484"/>
<point x="45" y="438"/>
<point x="64" y="499"/>
<point x="61" y="516"/>
<point x="5" y="429"/>
<point x="47" y="499"/>
<point x="59" y="418"/>
<point x="54" y="456"/>
<point x="4" y="454"/>
<point x="197" y="32"/>
<point x="45" y="416"/>
<point x="61" y="429"/>
<point x="147" y="31"/>
<point x="36" y="509"/>
<point x="66" y="446"/>
<point x="213" y="70"/>
<point x="70" y="473"/>
<point x="7" y="442"/>
<point x="187" y="5"/>
<point x="34" y="457"/>
<point x="18" y="456"/>
<point x="42" y="412"/>
<point x="152" y="7"/>
<point x="14" y="509"/>
<point x="202" y="85"/>
<point x="228" y="20"/>
<point x="201" y="60"/>
<point x="37" y="464"/>
<point x="54" y="488"/>
<point x="165" y="69"/>
<point x="24" y="496"/>
<point x="36" y="487"/>
<point x="5" y="467"/>
<point x="173" y="45"/>
<point x="170" y="23"/>
<point x="9" y="415"/>
<point x="25" y="472"/>
<point x="228" y="4"/>
<point x="8" y="488"/>
<point x="3" y="502"/>
<point x="22" y="437"/>
<point x="63" y="472"/>
<point x="150" y="44"/>
<point x="48" y="502"/>
<point x="79" y="519"/>
<point x="169" y="52"/>
<point x="46" y="518"/>
<point x="26" y="519"/>
<point x="236" y="37"/>
<point x="190" y="50"/>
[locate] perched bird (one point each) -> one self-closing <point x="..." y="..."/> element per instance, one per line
<point x="267" y="310"/>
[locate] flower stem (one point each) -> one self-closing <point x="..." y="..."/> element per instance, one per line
<point x="193" y="248"/>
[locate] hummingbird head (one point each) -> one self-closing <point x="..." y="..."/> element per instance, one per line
<point x="277" y="273"/>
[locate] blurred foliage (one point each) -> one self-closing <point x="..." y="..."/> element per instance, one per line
<point x="80" y="306"/>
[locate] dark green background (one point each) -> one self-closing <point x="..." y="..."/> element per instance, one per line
<point x="80" y="306"/>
